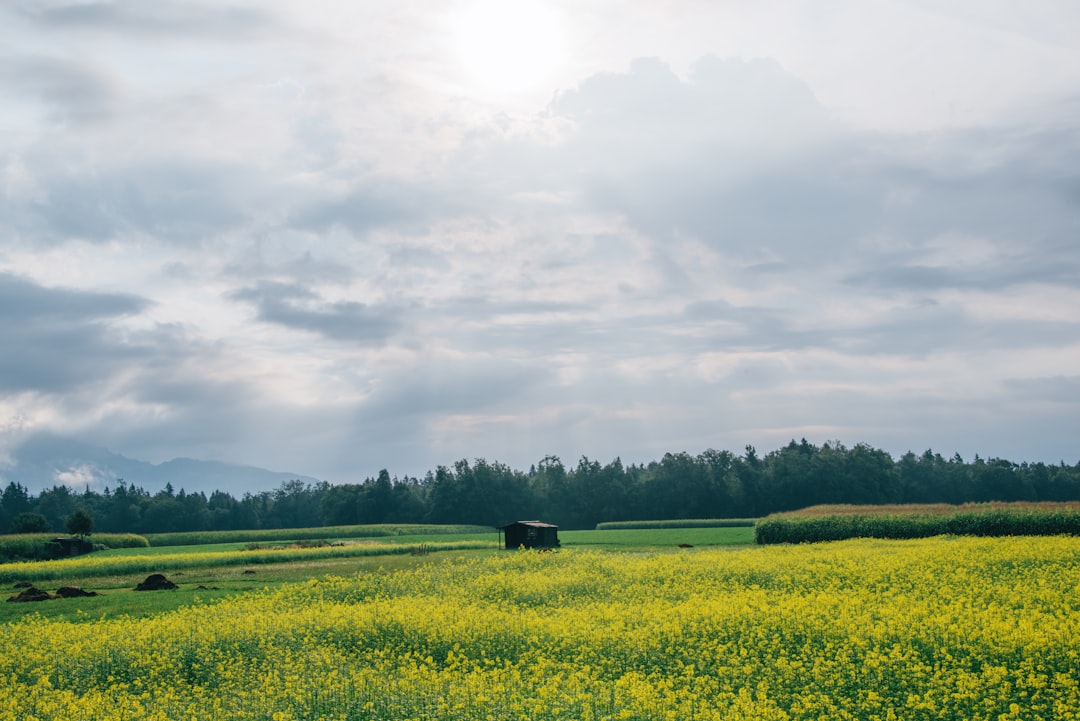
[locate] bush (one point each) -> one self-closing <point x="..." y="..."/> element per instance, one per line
<point x="80" y="523"/>
<point x="30" y="523"/>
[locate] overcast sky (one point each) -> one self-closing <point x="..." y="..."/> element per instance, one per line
<point x="331" y="237"/>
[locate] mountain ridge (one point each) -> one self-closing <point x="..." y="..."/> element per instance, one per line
<point x="44" y="460"/>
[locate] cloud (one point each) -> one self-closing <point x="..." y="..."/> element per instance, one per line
<point x="164" y="17"/>
<point x="1058" y="390"/>
<point x="365" y="207"/>
<point x="331" y="259"/>
<point x="68" y="90"/>
<point x="169" y="201"/>
<point x="57" y="340"/>
<point x="300" y="309"/>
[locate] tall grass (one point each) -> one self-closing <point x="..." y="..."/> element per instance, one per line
<point x="990" y="519"/>
<point x="35" y="546"/>
<point x="381" y="530"/>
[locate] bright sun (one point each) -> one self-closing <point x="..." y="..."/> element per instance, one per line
<point x="506" y="45"/>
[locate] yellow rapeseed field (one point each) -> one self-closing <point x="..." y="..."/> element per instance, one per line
<point x="942" y="628"/>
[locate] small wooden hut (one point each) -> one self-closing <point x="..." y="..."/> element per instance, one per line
<point x="63" y="547"/>
<point x="530" y="534"/>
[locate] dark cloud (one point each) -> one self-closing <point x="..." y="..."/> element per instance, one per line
<point x="927" y="329"/>
<point x="452" y="387"/>
<point x="56" y="340"/>
<point x="162" y="17"/>
<point x="303" y="270"/>
<point x="295" y="307"/>
<point x="999" y="276"/>
<point x="174" y="201"/>
<point x="23" y="300"/>
<point x="72" y="91"/>
<point x="373" y="203"/>
<point x="1058" y="390"/>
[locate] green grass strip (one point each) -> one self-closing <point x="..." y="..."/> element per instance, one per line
<point x="93" y="566"/>
<point x="677" y="523"/>
<point x="379" y="530"/>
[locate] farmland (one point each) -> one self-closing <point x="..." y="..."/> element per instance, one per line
<point x="973" y="628"/>
<point x="837" y="522"/>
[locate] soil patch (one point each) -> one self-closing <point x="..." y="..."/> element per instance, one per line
<point x="31" y="594"/>
<point x="74" y="592"/>
<point x="156" y="582"/>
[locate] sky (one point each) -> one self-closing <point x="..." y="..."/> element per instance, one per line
<point x="331" y="238"/>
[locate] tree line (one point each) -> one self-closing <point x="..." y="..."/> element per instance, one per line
<point x="712" y="484"/>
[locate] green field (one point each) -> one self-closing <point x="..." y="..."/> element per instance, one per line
<point x="242" y="566"/>
<point x="659" y="538"/>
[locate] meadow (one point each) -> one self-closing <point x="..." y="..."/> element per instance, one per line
<point x="939" y="628"/>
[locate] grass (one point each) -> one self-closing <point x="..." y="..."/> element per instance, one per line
<point x="679" y="523"/>
<point x="377" y="530"/>
<point x="118" y="597"/>
<point x="659" y="538"/>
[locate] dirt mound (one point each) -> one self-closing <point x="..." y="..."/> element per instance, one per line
<point x="156" y="582"/>
<point x="31" y="594"/>
<point x="24" y="584"/>
<point x="74" y="592"/>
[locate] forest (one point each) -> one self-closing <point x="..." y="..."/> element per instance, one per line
<point x="712" y="484"/>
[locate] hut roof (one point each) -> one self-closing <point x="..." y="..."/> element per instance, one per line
<point x="534" y="524"/>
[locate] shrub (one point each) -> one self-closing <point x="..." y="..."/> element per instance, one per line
<point x="30" y="523"/>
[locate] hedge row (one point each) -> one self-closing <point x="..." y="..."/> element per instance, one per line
<point x="1026" y="521"/>
<point x="677" y="523"/>
<point x="36" y="546"/>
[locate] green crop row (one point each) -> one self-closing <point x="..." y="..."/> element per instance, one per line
<point x="677" y="523"/>
<point x="37" y="546"/>
<point x="993" y="521"/>
<point x="381" y="530"/>
<point x="94" y="565"/>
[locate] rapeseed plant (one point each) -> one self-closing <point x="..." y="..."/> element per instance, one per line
<point x="974" y="628"/>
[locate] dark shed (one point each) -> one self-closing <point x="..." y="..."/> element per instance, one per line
<point x="531" y="534"/>
<point x="60" y="547"/>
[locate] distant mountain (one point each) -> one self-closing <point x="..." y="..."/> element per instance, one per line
<point x="45" y="460"/>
